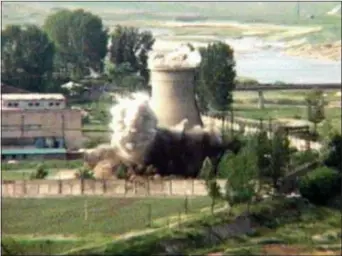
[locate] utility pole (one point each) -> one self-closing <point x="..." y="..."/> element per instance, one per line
<point x="298" y="10"/>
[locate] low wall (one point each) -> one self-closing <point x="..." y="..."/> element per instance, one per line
<point x="43" y="188"/>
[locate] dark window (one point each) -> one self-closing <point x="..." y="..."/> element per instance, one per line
<point x="24" y="156"/>
<point x="50" y="104"/>
<point x="57" y="103"/>
<point x="10" y="104"/>
<point x="14" y="156"/>
<point x="30" y="104"/>
<point x="37" y="104"/>
<point x="16" y="104"/>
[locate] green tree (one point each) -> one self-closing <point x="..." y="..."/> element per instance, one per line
<point x="123" y="76"/>
<point x="216" y="77"/>
<point x="333" y="160"/>
<point x="27" y="58"/>
<point x="214" y="191"/>
<point x="240" y="186"/>
<point x="315" y="102"/>
<point x="81" y="42"/>
<point x="280" y="157"/>
<point x="131" y="46"/>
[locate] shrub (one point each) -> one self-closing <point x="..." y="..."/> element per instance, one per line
<point x="48" y="164"/>
<point x="320" y="185"/>
<point x="40" y="172"/>
<point x="85" y="173"/>
<point x="121" y="172"/>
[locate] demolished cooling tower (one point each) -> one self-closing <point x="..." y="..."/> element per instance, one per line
<point x="173" y="93"/>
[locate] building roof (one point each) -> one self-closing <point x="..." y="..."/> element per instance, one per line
<point x="5" y="88"/>
<point x="33" y="96"/>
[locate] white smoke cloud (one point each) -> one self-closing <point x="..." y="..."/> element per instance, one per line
<point x="134" y="126"/>
<point x="182" y="57"/>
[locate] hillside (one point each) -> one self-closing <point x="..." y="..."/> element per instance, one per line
<point x="297" y="25"/>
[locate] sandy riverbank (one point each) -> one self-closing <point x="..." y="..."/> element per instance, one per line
<point x="330" y="51"/>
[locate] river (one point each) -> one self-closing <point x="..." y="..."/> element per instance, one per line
<point x="266" y="62"/>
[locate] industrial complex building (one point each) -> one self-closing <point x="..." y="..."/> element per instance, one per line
<point x="35" y="125"/>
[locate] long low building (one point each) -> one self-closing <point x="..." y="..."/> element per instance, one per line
<point x="38" y="124"/>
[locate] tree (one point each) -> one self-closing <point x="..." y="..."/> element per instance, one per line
<point x="262" y="146"/>
<point x="27" y="58"/>
<point x="216" y="77"/>
<point x="240" y="186"/>
<point x="81" y="42"/>
<point x="129" y="45"/>
<point x="280" y="156"/>
<point x="214" y="191"/>
<point x="315" y="103"/>
<point x="333" y="159"/>
<point x="124" y="77"/>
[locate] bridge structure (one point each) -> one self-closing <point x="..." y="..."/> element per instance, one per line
<point x="260" y="88"/>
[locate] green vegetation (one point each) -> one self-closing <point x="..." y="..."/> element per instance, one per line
<point x="20" y="65"/>
<point x="320" y="185"/>
<point x="289" y="112"/>
<point x="315" y="101"/>
<point x="40" y="173"/>
<point x="333" y="159"/>
<point x="216" y="76"/>
<point x="48" y="164"/>
<point x="80" y="41"/>
<point x="131" y="54"/>
<point x="276" y="221"/>
<point x="104" y="216"/>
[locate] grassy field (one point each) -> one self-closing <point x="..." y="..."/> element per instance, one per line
<point x="23" y="174"/>
<point x="105" y="216"/>
<point x="278" y="225"/>
<point x="298" y="95"/>
<point x="284" y="104"/>
<point x="48" y="164"/>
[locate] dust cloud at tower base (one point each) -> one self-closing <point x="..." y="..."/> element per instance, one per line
<point x="165" y="132"/>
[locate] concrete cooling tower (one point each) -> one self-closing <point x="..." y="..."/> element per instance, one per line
<point x="173" y="97"/>
<point x="173" y="92"/>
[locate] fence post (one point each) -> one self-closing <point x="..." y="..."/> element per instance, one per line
<point x="193" y="187"/>
<point x="135" y="187"/>
<point x="261" y="124"/>
<point x="104" y="185"/>
<point x="24" y="187"/>
<point x="125" y="185"/>
<point x="94" y="187"/>
<point x="149" y="215"/>
<point x="59" y="186"/>
<point x="86" y="210"/>
<point x="179" y="219"/>
<point x="163" y="187"/>
<point x="186" y="204"/>
<point x="170" y="187"/>
<point x="148" y="186"/>
<point x="270" y="126"/>
<point x="82" y="185"/>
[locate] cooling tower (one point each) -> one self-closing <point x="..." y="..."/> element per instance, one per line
<point x="173" y="96"/>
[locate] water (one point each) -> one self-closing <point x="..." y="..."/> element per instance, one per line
<point x="269" y="66"/>
<point x="265" y="62"/>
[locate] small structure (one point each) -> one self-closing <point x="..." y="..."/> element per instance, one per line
<point x="36" y="125"/>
